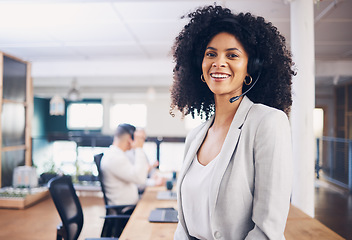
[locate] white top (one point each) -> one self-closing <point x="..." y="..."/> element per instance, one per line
<point x="120" y="176"/>
<point x="195" y="198"/>
<point x="251" y="186"/>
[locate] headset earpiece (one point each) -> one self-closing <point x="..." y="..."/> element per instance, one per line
<point x="254" y="66"/>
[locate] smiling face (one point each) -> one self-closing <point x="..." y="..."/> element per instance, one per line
<point x="225" y="65"/>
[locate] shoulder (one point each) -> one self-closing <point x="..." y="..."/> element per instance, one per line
<point x="269" y="125"/>
<point x="262" y="114"/>
<point x="110" y="151"/>
<point x="112" y="155"/>
<point x="263" y="121"/>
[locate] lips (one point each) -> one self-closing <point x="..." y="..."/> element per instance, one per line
<point x="219" y="76"/>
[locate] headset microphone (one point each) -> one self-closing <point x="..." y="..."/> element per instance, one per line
<point x="238" y="97"/>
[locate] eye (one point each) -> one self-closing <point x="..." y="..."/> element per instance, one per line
<point x="210" y="54"/>
<point x="232" y="55"/>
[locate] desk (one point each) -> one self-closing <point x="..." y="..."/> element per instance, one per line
<point x="139" y="228"/>
<point x="299" y="225"/>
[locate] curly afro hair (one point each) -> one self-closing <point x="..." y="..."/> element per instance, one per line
<point x="260" y="39"/>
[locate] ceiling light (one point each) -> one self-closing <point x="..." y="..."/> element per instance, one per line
<point x="73" y="93"/>
<point x="57" y="106"/>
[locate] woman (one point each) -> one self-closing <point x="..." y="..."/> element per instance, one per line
<point x="234" y="71"/>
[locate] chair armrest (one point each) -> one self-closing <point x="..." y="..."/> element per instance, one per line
<point x="102" y="238"/>
<point x="118" y="216"/>
<point x="119" y="206"/>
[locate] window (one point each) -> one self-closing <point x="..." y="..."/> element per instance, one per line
<point x="318" y="122"/>
<point x="150" y="150"/>
<point x="85" y="160"/>
<point x="64" y="157"/>
<point x="85" y="116"/>
<point x="68" y="158"/>
<point x="171" y="156"/>
<point x="135" y="114"/>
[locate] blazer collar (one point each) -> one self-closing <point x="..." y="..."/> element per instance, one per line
<point x="227" y="150"/>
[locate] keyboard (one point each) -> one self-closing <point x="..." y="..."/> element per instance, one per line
<point x="166" y="195"/>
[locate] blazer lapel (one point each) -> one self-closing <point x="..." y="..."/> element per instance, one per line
<point x="228" y="149"/>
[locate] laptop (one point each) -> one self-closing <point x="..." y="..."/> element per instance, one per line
<point x="166" y="195"/>
<point x="163" y="215"/>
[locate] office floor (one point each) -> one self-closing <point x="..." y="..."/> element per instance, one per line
<point x="39" y="221"/>
<point x="333" y="207"/>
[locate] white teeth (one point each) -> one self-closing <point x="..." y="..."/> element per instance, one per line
<point x="217" y="75"/>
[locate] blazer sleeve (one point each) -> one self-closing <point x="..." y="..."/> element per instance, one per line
<point x="273" y="177"/>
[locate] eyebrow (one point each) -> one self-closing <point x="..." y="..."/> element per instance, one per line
<point x="229" y="49"/>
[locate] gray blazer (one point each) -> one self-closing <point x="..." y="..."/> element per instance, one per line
<point x="250" y="194"/>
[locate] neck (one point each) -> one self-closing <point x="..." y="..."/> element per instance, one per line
<point x="224" y="110"/>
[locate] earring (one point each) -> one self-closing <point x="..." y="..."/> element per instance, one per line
<point x="250" y="80"/>
<point x="202" y="78"/>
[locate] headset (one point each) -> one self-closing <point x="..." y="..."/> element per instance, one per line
<point x="255" y="63"/>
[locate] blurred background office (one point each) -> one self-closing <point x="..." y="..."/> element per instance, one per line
<point x="95" y="64"/>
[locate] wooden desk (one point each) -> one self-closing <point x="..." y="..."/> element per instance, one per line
<point x="138" y="227"/>
<point x="299" y="225"/>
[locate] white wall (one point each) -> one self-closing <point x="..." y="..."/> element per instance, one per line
<point x="159" y="121"/>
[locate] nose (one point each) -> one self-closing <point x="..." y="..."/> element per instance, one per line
<point x="219" y="62"/>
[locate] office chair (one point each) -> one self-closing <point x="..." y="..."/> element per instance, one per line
<point x="113" y="227"/>
<point x="69" y="208"/>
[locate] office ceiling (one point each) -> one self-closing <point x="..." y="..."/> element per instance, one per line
<point x="137" y="34"/>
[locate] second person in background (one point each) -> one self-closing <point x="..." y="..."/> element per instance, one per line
<point x="121" y="176"/>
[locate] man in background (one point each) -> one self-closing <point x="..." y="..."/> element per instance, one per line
<point x="153" y="177"/>
<point x="120" y="175"/>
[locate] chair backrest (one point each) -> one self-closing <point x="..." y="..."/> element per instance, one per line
<point x="67" y="204"/>
<point x="97" y="160"/>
